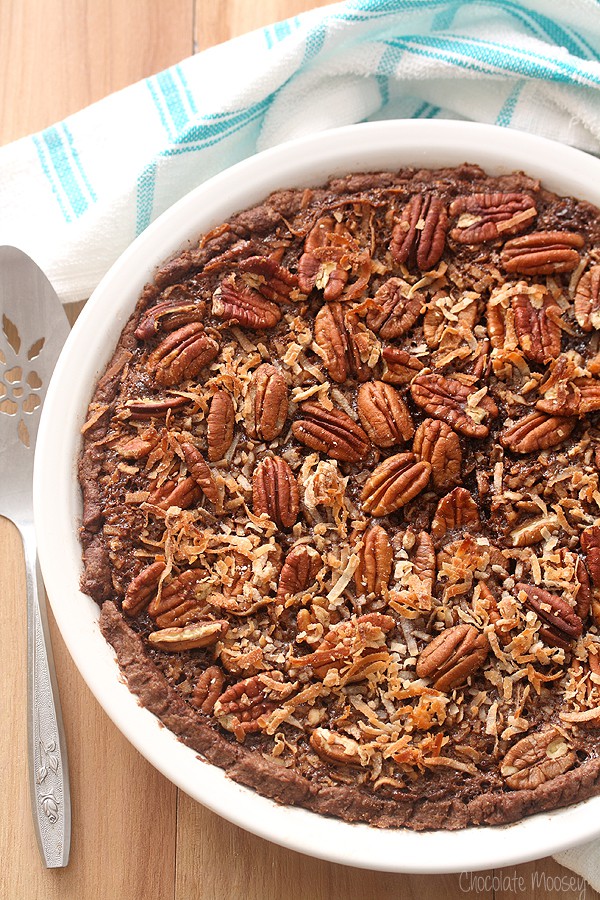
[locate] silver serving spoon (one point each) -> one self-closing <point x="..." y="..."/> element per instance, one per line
<point x="33" y="329"/>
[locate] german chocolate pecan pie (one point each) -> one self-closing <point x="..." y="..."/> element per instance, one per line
<point x="341" y="498"/>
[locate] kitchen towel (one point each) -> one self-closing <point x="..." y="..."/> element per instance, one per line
<point x="76" y="194"/>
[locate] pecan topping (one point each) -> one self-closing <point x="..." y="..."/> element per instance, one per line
<point x="452" y="656"/>
<point x="462" y="406"/>
<point x="275" y="492"/>
<point x="266" y="404"/>
<point x="384" y="414"/>
<point x="238" y="304"/>
<point x="536" y="432"/>
<point x="175" y="493"/>
<point x="274" y="282"/>
<point x="168" y="317"/>
<point x="181" y="600"/>
<point x="242" y="705"/>
<point x="375" y="567"/>
<point x="590" y="544"/>
<point x="485" y="217"/>
<point x="456" y="511"/>
<point x="584" y="596"/>
<point x="200" y="472"/>
<point x="574" y="397"/>
<point x="439" y="445"/>
<point x="139" y="446"/>
<point x="399" y="366"/>
<point x="190" y="637"/>
<point x="208" y="688"/>
<point x="340" y="344"/>
<point x="299" y="571"/>
<point x="394" y="483"/>
<point x="424" y="561"/>
<point x="331" y="431"/>
<point x="542" y="253"/>
<point x="335" y="748"/>
<point x="587" y="299"/>
<point x="536" y="759"/>
<point x="449" y="321"/>
<point x="147" y="407"/>
<point x="181" y="355"/>
<point x="320" y="264"/>
<point x="219" y="425"/>
<point x="561" y="622"/>
<point x="394" y="310"/>
<point x="536" y="326"/>
<point x="142" y="588"/>
<point x="420" y="235"/>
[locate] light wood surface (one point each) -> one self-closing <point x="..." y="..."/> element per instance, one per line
<point x="134" y="835"/>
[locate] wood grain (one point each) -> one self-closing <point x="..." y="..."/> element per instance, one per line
<point x="134" y="836"/>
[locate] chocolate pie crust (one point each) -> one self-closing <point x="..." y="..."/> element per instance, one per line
<point x="340" y="498"/>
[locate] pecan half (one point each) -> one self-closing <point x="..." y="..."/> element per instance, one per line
<point x="181" y="355"/>
<point x="346" y="643"/>
<point x="394" y="310"/>
<point x="200" y="472"/>
<point x="219" y="425"/>
<point x="275" y="492"/>
<point x="536" y="325"/>
<point x="536" y="432"/>
<point x="587" y="299"/>
<point x="274" y="282"/>
<point x="335" y="748"/>
<point x="584" y="596"/>
<point x="449" y="321"/>
<point x="319" y="266"/>
<point x="452" y="656"/>
<point x="420" y="235"/>
<point x="563" y="623"/>
<point x="542" y="253"/>
<point x="141" y="445"/>
<point x="457" y="511"/>
<point x="574" y="397"/>
<point x="169" y="316"/>
<point x="331" y="431"/>
<point x="266" y="404"/>
<point x="190" y="637"/>
<point x="424" y="561"/>
<point x="181" y="599"/>
<point x="394" y="483"/>
<point x="242" y="705"/>
<point x="142" y="588"/>
<point x="238" y="304"/>
<point x="462" y="406"/>
<point x="485" y="217"/>
<point x="340" y="344"/>
<point x="439" y="445"/>
<point x="400" y="367"/>
<point x="590" y="544"/>
<point x="299" y="571"/>
<point x="536" y="759"/>
<point x="372" y="576"/>
<point x="384" y="414"/>
<point x="182" y="493"/>
<point x="149" y="407"/>
<point x="207" y="689"/>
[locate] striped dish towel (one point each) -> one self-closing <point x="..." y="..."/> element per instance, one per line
<point x="75" y="195"/>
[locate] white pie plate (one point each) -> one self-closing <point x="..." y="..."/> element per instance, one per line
<point x="303" y="162"/>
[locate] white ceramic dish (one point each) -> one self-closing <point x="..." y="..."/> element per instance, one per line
<point x="308" y="161"/>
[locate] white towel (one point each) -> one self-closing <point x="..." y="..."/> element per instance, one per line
<point x="76" y="194"/>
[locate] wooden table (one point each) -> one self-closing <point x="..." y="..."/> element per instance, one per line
<point x="134" y="834"/>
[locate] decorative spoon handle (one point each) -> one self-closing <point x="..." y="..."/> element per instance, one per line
<point x="48" y="768"/>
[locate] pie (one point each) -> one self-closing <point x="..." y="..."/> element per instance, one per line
<point x="341" y="498"/>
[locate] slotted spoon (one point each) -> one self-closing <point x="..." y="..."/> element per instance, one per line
<point x="33" y="329"/>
